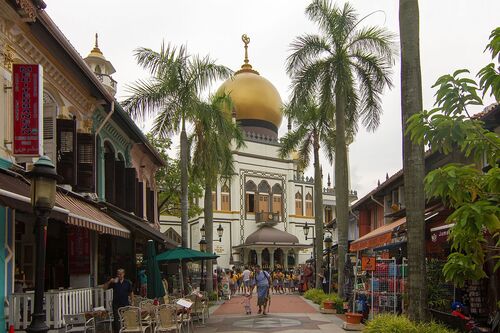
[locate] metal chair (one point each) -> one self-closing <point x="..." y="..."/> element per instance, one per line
<point x="166" y="319"/>
<point x="130" y="320"/>
<point x="78" y="323"/>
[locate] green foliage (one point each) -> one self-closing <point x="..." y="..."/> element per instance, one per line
<point x="388" y="323"/>
<point x="439" y="293"/>
<point x="168" y="180"/>
<point x="212" y="296"/>
<point x="473" y="194"/>
<point x="318" y="296"/>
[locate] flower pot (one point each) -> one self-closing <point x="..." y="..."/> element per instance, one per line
<point x="328" y="305"/>
<point x="353" y="318"/>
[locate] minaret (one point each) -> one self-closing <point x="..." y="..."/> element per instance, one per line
<point x="101" y="67"/>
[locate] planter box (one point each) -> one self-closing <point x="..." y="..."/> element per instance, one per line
<point x="353" y="318"/>
<point x="328" y="305"/>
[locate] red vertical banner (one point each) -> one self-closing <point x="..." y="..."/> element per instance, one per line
<point x="27" y="92"/>
<point x="79" y="250"/>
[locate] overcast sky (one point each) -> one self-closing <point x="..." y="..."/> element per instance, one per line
<point x="453" y="35"/>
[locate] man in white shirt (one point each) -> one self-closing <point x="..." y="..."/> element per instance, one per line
<point x="246" y="279"/>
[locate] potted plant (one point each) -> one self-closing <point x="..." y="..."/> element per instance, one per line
<point x="353" y="318"/>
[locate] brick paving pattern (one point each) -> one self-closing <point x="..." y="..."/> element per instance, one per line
<point x="279" y="304"/>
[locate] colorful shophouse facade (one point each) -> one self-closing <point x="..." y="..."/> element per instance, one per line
<point x="97" y="149"/>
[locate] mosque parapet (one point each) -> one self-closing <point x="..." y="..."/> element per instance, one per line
<point x="262" y="138"/>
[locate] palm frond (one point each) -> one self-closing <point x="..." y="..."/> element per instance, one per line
<point x="376" y="41"/>
<point x="305" y="49"/>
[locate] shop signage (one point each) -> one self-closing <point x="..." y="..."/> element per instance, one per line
<point x="27" y="92"/>
<point x="219" y="249"/>
<point x="79" y="250"/>
<point x="368" y="263"/>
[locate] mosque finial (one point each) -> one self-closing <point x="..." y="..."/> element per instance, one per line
<point x="96" y="40"/>
<point x="246" y="41"/>
<point x="246" y="67"/>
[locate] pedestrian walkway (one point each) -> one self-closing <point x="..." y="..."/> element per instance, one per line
<point x="288" y="313"/>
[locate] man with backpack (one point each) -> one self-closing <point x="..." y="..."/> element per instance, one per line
<point x="263" y="280"/>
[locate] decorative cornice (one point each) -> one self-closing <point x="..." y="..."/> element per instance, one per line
<point x="27" y="8"/>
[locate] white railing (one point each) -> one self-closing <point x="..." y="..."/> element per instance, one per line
<point x="57" y="304"/>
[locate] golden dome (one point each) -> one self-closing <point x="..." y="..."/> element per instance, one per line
<point x="253" y="96"/>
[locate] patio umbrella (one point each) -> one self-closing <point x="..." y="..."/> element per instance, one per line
<point x="180" y="254"/>
<point x="155" y="285"/>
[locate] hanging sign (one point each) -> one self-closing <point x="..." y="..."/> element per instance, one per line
<point x="27" y="90"/>
<point x="368" y="263"/>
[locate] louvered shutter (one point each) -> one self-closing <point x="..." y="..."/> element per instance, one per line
<point x="66" y="150"/>
<point x="139" y="206"/>
<point x="150" y="205"/>
<point x="120" y="184"/>
<point x="130" y="190"/>
<point x="109" y="176"/>
<point x="85" y="159"/>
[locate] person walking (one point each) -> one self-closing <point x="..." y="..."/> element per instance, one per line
<point x="246" y="279"/>
<point x="263" y="280"/>
<point x="122" y="291"/>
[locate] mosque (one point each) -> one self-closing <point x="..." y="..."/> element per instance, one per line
<point x="262" y="210"/>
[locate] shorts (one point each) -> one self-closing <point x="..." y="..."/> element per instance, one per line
<point x="246" y="283"/>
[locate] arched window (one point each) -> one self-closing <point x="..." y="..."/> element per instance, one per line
<point x="277" y="199"/>
<point x="298" y="204"/>
<point x="250" y="194"/>
<point x="225" y="198"/>
<point x="98" y="69"/>
<point x="264" y="190"/>
<point x="309" y="204"/>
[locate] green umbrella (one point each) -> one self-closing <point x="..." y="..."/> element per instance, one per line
<point x="155" y="284"/>
<point x="182" y="253"/>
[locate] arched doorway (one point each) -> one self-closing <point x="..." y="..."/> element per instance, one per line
<point x="265" y="259"/>
<point x="291" y="259"/>
<point x="278" y="258"/>
<point x="252" y="258"/>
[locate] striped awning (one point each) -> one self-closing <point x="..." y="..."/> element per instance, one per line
<point x="86" y="215"/>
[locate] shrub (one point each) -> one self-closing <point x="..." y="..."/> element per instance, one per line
<point x="388" y="323"/>
<point x="315" y="295"/>
<point x="212" y="296"/>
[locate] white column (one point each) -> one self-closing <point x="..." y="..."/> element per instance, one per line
<point x="259" y="256"/>
<point x="285" y="258"/>
<point x="271" y="257"/>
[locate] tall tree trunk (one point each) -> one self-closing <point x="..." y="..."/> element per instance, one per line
<point x="209" y="233"/>
<point x="341" y="186"/>
<point x="413" y="158"/>
<point x="318" y="211"/>
<point x="184" y="195"/>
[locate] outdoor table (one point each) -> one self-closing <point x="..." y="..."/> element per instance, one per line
<point x="101" y="317"/>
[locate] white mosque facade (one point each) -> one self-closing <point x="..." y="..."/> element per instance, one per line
<point x="265" y="205"/>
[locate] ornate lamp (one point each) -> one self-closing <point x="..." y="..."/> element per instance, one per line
<point x="43" y="197"/>
<point x="220" y="232"/>
<point x="306" y="228"/>
<point x="203" y="245"/>
<point x="202" y="231"/>
<point x="328" y="243"/>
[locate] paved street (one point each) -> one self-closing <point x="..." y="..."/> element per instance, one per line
<point x="289" y="313"/>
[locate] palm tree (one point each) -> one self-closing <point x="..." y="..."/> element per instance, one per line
<point x="313" y="127"/>
<point x="171" y="95"/>
<point x="347" y="66"/>
<point x="413" y="158"/>
<point x="212" y="141"/>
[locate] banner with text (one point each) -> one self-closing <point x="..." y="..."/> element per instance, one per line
<point x="28" y="117"/>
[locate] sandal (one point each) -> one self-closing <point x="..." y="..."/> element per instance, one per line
<point x="259" y="312"/>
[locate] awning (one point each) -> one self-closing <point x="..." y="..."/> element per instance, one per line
<point x="138" y="224"/>
<point x="70" y="207"/>
<point x="378" y="237"/>
<point x="87" y="215"/>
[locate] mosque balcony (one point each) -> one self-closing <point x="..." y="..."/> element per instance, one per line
<point x="267" y="218"/>
<point x="106" y="80"/>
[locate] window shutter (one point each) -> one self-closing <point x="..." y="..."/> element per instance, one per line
<point x="109" y="176"/>
<point x="139" y="192"/>
<point x="66" y="150"/>
<point x="85" y="165"/>
<point x="151" y="205"/>
<point x="120" y="184"/>
<point x="130" y="189"/>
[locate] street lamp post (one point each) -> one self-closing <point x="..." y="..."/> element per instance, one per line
<point x="220" y="232"/>
<point x="328" y="245"/>
<point x="306" y="229"/>
<point x="203" y="248"/>
<point x="43" y="196"/>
